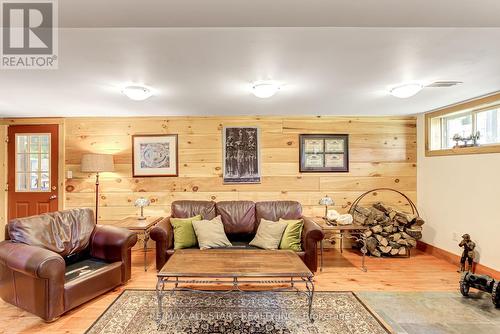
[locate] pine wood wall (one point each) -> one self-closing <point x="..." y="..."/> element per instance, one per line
<point x="382" y="154"/>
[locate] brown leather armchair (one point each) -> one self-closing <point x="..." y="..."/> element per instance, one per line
<point x="240" y="219"/>
<point x="54" y="262"/>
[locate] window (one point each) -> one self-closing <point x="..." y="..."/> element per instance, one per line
<point x="473" y="127"/>
<point x="32" y="162"/>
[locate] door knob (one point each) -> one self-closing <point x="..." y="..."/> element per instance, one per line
<point x="52" y="197"/>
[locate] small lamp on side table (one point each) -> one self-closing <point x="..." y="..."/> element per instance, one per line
<point x="326" y="201"/>
<point x="97" y="163"/>
<point x="141" y="202"/>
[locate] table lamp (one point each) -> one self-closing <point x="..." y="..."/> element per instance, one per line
<point x="97" y="163"/>
<point x="326" y="201"/>
<point x="141" y="202"/>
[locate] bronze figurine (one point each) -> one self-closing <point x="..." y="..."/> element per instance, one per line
<point x="468" y="253"/>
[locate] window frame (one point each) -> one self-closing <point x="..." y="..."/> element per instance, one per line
<point x="39" y="172"/>
<point x="472" y="107"/>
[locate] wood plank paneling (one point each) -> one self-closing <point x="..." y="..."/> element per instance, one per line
<point x="382" y="154"/>
<point x="3" y="180"/>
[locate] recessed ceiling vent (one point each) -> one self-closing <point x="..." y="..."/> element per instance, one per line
<point x="444" y="84"/>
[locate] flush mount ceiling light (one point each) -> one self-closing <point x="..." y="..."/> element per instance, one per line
<point x="265" y="89"/>
<point x="406" y="90"/>
<point x="137" y="93"/>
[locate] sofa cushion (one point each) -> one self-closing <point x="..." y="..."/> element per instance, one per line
<point x="274" y="210"/>
<point x="184" y="236"/>
<point x="238" y="217"/>
<point x="269" y="234"/>
<point x="210" y="233"/>
<point x="292" y="236"/>
<point x="64" y="232"/>
<point x="186" y="209"/>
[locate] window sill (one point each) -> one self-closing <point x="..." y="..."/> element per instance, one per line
<point x="464" y="150"/>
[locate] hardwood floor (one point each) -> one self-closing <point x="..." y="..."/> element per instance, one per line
<point x="421" y="272"/>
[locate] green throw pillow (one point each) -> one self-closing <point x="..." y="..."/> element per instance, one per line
<point x="184" y="236"/>
<point x="292" y="236"/>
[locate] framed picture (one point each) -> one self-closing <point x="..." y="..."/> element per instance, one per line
<point x="241" y="154"/>
<point x="324" y="153"/>
<point x="154" y="155"/>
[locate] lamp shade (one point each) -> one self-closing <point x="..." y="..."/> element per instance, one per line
<point x="96" y="163"/>
<point x="326" y="201"/>
<point x="142" y="202"/>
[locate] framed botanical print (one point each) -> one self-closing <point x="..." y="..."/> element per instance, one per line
<point x="324" y="153"/>
<point x="154" y="155"/>
<point x="241" y="154"/>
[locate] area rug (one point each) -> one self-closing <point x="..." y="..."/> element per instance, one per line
<point x="135" y="311"/>
<point x="435" y="312"/>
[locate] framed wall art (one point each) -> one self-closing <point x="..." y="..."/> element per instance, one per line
<point x="241" y="154"/>
<point x="154" y="155"/>
<point x="324" y="153"/>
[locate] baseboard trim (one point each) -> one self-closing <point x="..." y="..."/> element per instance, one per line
<point x="455" y="259"/>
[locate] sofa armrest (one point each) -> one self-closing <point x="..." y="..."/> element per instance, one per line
<point x="33" y="261"/>
<point x="41" y="270"/>
<point x="112" y="244"/>
<point x="163" y="235"/>
<point x="311" y="235"/>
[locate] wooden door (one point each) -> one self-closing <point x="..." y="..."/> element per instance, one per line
<point x="33" y="152"/>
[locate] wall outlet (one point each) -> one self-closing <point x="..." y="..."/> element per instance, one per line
<point x="455" y="236"/>
<point x="69" y="174"/>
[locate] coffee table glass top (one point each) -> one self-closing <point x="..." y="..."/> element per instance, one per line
<point x="234" y="263"/>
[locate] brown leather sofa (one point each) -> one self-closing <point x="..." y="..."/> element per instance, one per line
<point x="52" y="263"/>
<point x="240" y="219"/>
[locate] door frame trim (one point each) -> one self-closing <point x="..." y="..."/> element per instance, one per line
<point x="61" y="157"/>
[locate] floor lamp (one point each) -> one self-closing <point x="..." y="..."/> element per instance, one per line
<point x="97" y="163"/>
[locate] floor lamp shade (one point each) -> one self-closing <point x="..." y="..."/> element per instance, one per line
<point x="97" y="163"/>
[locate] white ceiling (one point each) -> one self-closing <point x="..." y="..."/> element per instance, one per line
<point x="279" y="13"/>
<point x="207" y="71"/>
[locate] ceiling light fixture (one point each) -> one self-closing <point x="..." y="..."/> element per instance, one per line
<point x="137" y="93"/>
<point x="404" y="91"/>
<point x="265" y="89"/>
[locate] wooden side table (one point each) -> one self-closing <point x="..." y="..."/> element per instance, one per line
<point x="141" y="227"/>
<point x="352" y="231"/>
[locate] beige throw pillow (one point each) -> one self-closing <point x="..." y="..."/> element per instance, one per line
<point x="210" y="233"/>
<point x="268" y="234"/>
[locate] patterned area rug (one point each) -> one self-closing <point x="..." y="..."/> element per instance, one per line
<point x="134" y="311"/>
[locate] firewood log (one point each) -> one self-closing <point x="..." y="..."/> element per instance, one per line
<point x="414" y="234"/>
<point x="371" y="244"/>
<point x="394" y="244"/>
<point x="408" y="217"/>
<point x="403" y="251"/>
<point x="412" y="242"/>
<point x="376" y="253"/>
<point x="376" y="214"/>
<point x="368" y="233"/>
<point x="394" y="251"/>
<point x="381" y="240"/>
<point x="377" y="229"/>
<point x="418" y="221"/>
<point x="405" y="235"/>
<point x="362" y="210"/>
<point x="402" y="242"/>
<point x="385" y="249"/>
<point x="395" y="237"/>
<point x="382" y="207"/>
<point x="359" y="218"/>
<point x="388" y="228"/>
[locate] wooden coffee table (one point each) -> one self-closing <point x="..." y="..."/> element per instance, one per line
<point x="233" y="267"/>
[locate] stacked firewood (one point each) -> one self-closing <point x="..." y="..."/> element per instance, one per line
<point x="392" y="232"/>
